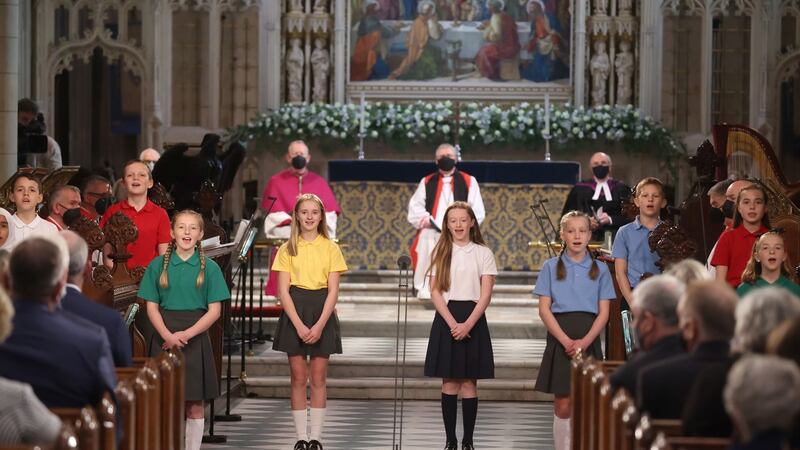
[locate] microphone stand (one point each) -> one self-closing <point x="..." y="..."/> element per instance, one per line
<point x="404" y="264"/>
<point x="544" y="211"/>
<point x="550" y="250"/>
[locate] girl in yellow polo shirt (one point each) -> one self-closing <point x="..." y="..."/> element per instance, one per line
<point x="309" y="267"/>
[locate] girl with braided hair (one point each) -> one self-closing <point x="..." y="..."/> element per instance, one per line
<point x="574" y="293"/>
<point x="183" y="290"/>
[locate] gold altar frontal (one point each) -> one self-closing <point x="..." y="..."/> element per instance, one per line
<point x="374" y="227"/>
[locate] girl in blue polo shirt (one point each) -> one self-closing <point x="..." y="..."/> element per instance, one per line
<point x="573" y="291"/>
<point x="183" y="289"/>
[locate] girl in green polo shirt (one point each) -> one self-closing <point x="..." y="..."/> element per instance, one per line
<point x="768" y="266"/>
<point x="183" y="290"/>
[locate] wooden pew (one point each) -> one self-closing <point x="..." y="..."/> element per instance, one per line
<point x="146" y="404"/>
<point x="66" y="440"/>
<point x="620" y="403"/>
<point x="663" y="442"/>
<point x="148" y="367"/>
<point x="178" y="361"/>
<point x="87" y="427"/>
<point x="647" y="429"/>
<point x="126" y="397"/>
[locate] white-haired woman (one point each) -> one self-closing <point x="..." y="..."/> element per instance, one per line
<point x="762" y="397"/>
<point x="23" y="418"/>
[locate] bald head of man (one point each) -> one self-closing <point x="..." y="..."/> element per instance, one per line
<point x="298" y="156"/>
<point x="150" y="156"/>
<point x="733" y="190"/>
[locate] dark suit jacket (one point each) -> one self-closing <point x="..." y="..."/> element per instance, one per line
<point x="664" y="386"/>
<point x="68" y="363"/>
<point x="627" y="375"/>
<point x="704" y="413"/>
<point x="77" y="303"/>
<point x="580" y="199"/>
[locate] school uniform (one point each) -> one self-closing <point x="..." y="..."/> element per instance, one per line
<point x="733" y="250"/>
<point x="782" y="282"/>
<point x="575" y="306"/>
<point x="472" y="357"/>
<point x="181" y="305"/>
<point x="19" y="230"/>
<point x="152" y="224"/>
<point x="632" y="245"/>
<point x="308" y="287"/>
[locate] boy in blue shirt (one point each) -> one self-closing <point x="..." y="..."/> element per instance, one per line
<point x="632" y="255"/>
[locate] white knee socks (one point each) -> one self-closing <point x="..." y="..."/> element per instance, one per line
<point x="194" y="433"/>
<point x="562" y="433"/>
<point x="300" y="422"/>
<point x="317" y="420"/>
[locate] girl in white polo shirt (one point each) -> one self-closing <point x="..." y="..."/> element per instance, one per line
<point x="26" y="196"/>
<point x="462" y="276"/>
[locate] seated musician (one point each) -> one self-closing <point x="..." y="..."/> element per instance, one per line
<point x="68" y="363"/>
<point x="285" y="186"/>
<point x="706" y="318"/>
<point x="600" y="197"/>
<point x="80" y="305"/>
<point x="763" y="413"/>
<point x="757" y="315"/>
<point x="655" y="318"/>
<point x="23" y="417"/>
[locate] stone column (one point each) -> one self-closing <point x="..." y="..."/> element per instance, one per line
<point x="579" y="69"/>
<point x="9" y="63"/>
<point x="269" y="55"/>
<point x="706" y="55"/>
<point x="650" y="58"/>
<point x="338" y="61"/>
<point x="214" y="57"/>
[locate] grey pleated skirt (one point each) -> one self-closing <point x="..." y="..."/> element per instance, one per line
<point x="201" y="373"/>
<point x="554" y="373"/>
<point x="309" y="305"/>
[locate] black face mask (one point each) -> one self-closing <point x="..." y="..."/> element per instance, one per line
<point x="298" y="162"/>
<point x="70" y="216"/>
<point x="728" y="208"/>
<point x="446" y="164"/>
<point x="716" y="215"/>
<point x="600" y="172"/>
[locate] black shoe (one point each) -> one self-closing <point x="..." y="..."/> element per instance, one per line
<point x="314" y="445"/>
<point x="451" y="445"/>
<point x="467" y="446"/>
<point x="301" y="445"/>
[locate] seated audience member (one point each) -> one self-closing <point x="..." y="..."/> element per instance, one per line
<point x="689" y="271"/>
<point x="62" y="200"/>
<point x="94" y="188"/>
<point x="600" y="197"/>
<point x="762" y="397"/>
<point x="757" y="315"/>
<point x="68" y="363"/>
<point x="655" y="318"/>
<point x="23" y="418"/>
<point x="768" y="266"/>
<point x="706" y="320"/>
<point x="784" y="341"/>
<point x="77" y="303"/>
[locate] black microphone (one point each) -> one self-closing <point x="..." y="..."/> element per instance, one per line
<point x="102" y="204"/>
<point x="404" y="261"/>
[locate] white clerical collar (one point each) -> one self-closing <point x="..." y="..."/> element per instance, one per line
<point x="602" y="187"/>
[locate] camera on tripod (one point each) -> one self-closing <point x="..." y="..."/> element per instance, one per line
<point x="31" y="137"/>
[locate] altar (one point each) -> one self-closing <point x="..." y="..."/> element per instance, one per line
<point x="374" y="194"/>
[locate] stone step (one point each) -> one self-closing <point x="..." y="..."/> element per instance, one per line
<point x="497" y="302"/>
<point x="386" y="289"/>
<point x="384" y="388"/>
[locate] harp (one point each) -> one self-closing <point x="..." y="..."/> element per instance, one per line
<point x="743" y="152"/>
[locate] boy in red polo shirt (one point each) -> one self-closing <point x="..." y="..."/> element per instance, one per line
<point x="150" y="219"/>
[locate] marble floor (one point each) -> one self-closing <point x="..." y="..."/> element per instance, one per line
<point x="369" y="424"/>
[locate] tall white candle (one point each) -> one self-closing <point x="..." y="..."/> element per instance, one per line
<point x="547" y="114"/>
<point x="363" y="113"/>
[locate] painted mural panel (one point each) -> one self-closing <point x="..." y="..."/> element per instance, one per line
<point x="491" y="41"/>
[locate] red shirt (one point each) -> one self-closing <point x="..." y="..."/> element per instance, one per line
<point x="153" y="225"/>
<point x="734" y="249"/>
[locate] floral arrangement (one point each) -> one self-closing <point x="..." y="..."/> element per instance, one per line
<point x="476" y="123"/>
